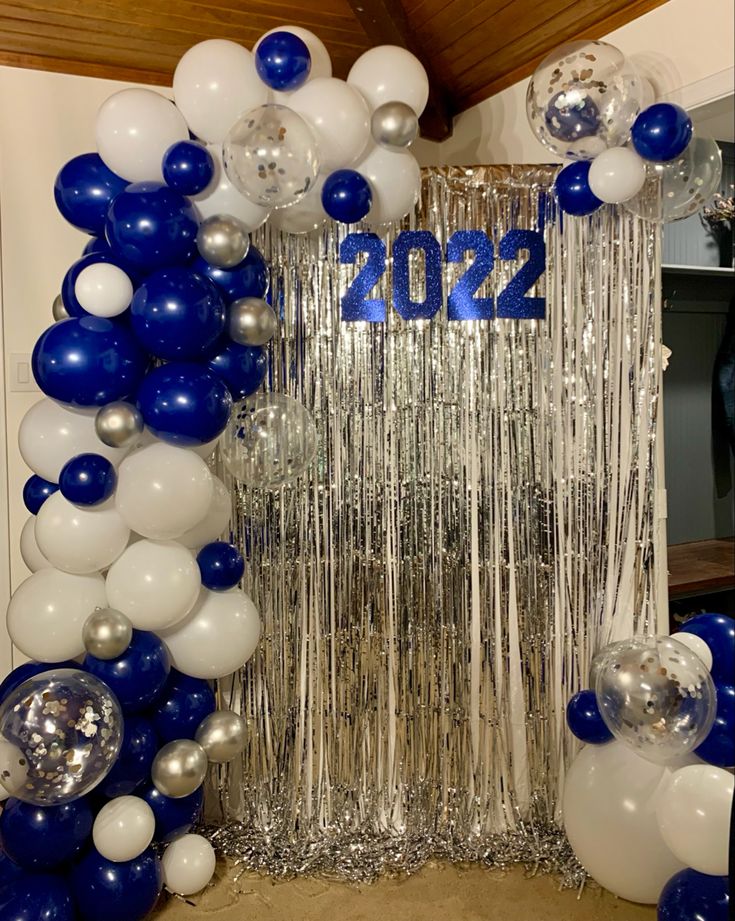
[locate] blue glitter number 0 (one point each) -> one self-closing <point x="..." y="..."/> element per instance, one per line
<point x="405" y="306"/>
<point x="356" y="305"/>
<point x="462" y="303"/>
<point x="512" y="301"/>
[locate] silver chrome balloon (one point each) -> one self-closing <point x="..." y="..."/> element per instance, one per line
<point x="222" y="735"/>
<point x="223" y="241"/>
<point x="394" y="125"/>
<point x="58" y="309"/>
<point x="107" y="633"/>
<point x="179" y="768"/>
<point x="251" y="321"/>
<point x="118" y="424"/>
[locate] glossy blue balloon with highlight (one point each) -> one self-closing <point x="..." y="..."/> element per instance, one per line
<point x="44" y="837"/>
<point x="181" y="706"/>
<point x="585" y="720"/>
<point x="718" y="632"/>
<point x="569" y="119"/>
<point x="38" y="897"/>
<point x="346" y="196"/>
<point x="136" y="677"/>
<point x="662" y="132"/>
<point x="87" y="479"/>
<point x="107" y="891"/>
<point x="719" y="746"/>
<point x="241" y="367"/>
<point x="84" y="189"/>
<point x="133" y="766"/>
<point x="221" y="566"/>
<point x="283" y="61"/>
<point x="573" y="190"/>
<point x="248" y="278"/>
<point x="36" y="491"/>
<point x="174" y="817"/>
<point x="693" y="896"/>
<point x="188" y="167"/>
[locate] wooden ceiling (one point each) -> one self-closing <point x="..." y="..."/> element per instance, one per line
<point x="471" y="48"/>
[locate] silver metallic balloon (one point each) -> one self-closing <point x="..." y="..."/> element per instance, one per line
<point x="222" y="735"/>
<point x="107" y="633"/>
<point x="394" y="125"/>
<point x="58" y="309"/>
<point x="179" y="768"/>
<point x="118" y="424"/>
<point x="223" y="241"/>
<point x="251" y="321"/>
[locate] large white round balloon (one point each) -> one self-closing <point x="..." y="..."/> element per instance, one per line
<point x="29" y="549"/>
<point x="389" y="73"/>
<point x="135" y="128"/>
<point x="395" y="180"/>
<point x="188" y="864"/>
<point x="162" y="491"/>
<point x="103" y="289"/>
<point x="155" y="583"/>
<point x="214" y="522"/>
<point x="694" y="817"/>
<point x="47" y="612"/>
<point x="609" y="801"/>
<point x="617" y="174"/>
<point x="124" y="828"/>
<point x="218" y="637"/>
<point x="80" y="540"/>
<point x="51" y="434"/>
<point x="221" y="197"/>
<point x="339" y="118"/>
<point x="697" y="646"/>
<point x="306" y="215"/>
<point x="321" y="63"/>
<point x="214" y="83"/>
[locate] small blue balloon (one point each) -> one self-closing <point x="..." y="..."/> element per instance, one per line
<point x="177" y="314"/>
<point x="573" y="190"/>
<point x="152" y="226"/>
<point x="96" y="245"/>
<point x="188" y="167"/>
<point x="99" y="254"/>
<point x="29" y="670"/>
<point x="84" y="190"/>
<point x="719" y="746"/>
<point x="585" y="720"/>
<point x="247" y="279"/>
<point x="183" y="704"/>
<point x="693" y="896"/>
<point x="133" y="766"/>
<point x="44" y="837"/>
<point x="87" y="479"/>
<point x="174" y="817"/>
<point x="36" y="491"/>
<point x="718" y="632"/>
<point x="346" y="196"/>
<point x="570" y="117"/>
<point x="661" y="132"/>
<point x="283" y="61"/>
<point x="136" y="677"/>
<point x="184" y="403"/>
<point x="107" y="891"/>
<point x="88" y="361"/>
<point x="221" y="566"/>
<point x="241" y="367"/>
<point x="37" y="897"/>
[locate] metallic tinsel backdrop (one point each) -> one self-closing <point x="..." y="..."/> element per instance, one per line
<point x="479" y="522"/>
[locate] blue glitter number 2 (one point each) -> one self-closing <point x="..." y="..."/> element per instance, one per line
<point x="462" y="303"/>
<point x="512" y="301"/>
<point x="356" y="305"/>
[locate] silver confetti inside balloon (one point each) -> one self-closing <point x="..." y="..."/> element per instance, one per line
<point x="107" y="633"/>
<point x="179" y="768"/>
<point x="394" y="125"/>
<point x="61" y="732"/>
<point x="222" y="735"/>
<point x="58" y="309"/>
<point x="251" y="321"/>
<point x="223" y="241"/>
<point x="118" y="424"/>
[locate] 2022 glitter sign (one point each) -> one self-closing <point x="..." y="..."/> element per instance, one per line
<point x="463" y="302"/>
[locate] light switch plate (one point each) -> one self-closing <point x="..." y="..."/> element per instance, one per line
<point x="21" y="374"/>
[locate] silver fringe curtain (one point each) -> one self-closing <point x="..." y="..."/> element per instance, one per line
<point x="479" y="522"/>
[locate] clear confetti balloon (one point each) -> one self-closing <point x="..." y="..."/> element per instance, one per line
<point x="269" y="440"/>
<point x="270" y="155"/>
<point x="656" y="695"/>
<point x="583" y="98"/>
<point x="60" y="733"/>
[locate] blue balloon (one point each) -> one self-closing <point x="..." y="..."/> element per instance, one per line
<point x="88" y="361"/>
<point x="283" y="61"/>
<point x="174" y="817"/>
<point x="221" y="565"/>
<point x="87" y="479"/>
<point x="136" y="677"/>
<point x="184" y="403"/>
<point x="84" y="190"/>
<point x="99" y="254"/>
<point x="36" y="491"/>
<point x="241" y="367"/>
<point x="183" y="704"/>
<point x="661" y="132"/>
<point x="107" y="891"/>
<point x="152" y="226"/>
<point x="37" y="897"/>
<point x="573" y="190"/>
<point x="29" y="670"/>
<point x="346" y="196"/>
<point x="177" y="314"/>
<point x="719" y="746"/>
<point x="718" y="632"/>
<point x="96" y="245"/>
<point x="585" y="720"/>
<point x="247" y="279"/>
<point x="10" y="872"/>
<point x="692" y="896"/>
<point x="188" y="167"/>
<point x="133" y="766"/>
<point x="44" y="837"/>
<point x="570" y="117"/>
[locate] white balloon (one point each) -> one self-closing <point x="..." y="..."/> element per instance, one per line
<point x="697" y="645"/>
<point x="395" y="181"/>
<point x="221" y="197"/>
<point x="617" y="174"/>
<point x="339" y="118"/>
<point x="29" y="550"/>
<point x="80" y="540"/>
<point x="103" y="289"/>
<point x="217" y="638"/>
<point x="188" y="864"/>
<point x="162" y="491"/>
<point x="13" y="768"/>
<point x="134" y="130"/>
<point x="214" y="522"/>
<point x="321" y="63"/>
<point x="609" y="801"/>
<point x="306" y="215"/>
<point x="51" y="434"/>
<point x="693" y="814"/>
<point x="205" y="451"/>
<point x="155" y="583"/>
<point x="47" y="612"/>
<point x="389" y="73"/>
<point x="214" y="83"/>
<point x="124" y="828"/>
